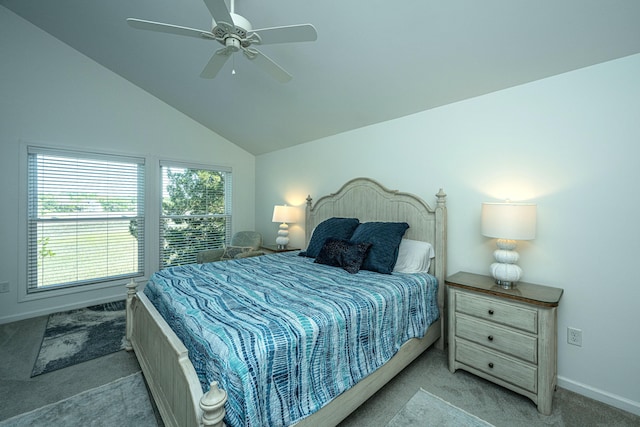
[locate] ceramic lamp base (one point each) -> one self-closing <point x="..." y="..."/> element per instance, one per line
<point x="506" y="275"/>
<point x="505" y="271"/>
<point x="283" y="236"/>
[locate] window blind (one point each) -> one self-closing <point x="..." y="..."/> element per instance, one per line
<point x="85" y="218"/>
<point x="195" y="211"/>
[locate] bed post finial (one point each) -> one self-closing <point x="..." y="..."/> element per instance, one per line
<point x="442" y="196"/>
<point x="307" y="217"/>
<point x="212" y="405"/>
<point x="132" y="288"/>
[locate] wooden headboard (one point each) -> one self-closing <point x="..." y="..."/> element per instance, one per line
<point x="367" y="200"/>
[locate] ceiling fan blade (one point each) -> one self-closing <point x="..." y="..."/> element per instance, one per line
<point x="220" y="13"/>
<point x="267" y="64"/>
<point x="287" y="34"/>
<point x="216" y="63"/>
<point x="141" y="24"/>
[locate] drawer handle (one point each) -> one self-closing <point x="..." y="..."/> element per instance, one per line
<point x="490" y="312"/>
<point x="491" y="365"/>
<point x="490" y="337"/>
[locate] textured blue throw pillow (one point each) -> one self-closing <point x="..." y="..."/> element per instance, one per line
<point x="336" y="228"/>
<point x="343" y="253"/>
<point x="385" y="238"/>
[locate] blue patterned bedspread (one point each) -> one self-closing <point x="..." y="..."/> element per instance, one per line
<point x="283" y="335"/>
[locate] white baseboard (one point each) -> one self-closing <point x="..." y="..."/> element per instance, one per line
<point x="601" y="396"/>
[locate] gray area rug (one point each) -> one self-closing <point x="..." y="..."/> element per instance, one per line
<point x="425" y="409"/>
<point x="76" y="336"/>
<point x="124" y="402"/>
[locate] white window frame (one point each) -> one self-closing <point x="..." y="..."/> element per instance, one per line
<point x="24" y="293"/>
<point x="226" y="215"/>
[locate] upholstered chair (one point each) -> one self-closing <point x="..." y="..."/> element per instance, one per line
<point x="243" y="244"/>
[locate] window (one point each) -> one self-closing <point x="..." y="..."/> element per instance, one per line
<point x="195" y="212"/>
<point x="85" y="221"/>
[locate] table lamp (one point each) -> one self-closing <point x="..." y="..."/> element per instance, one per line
<point x="508" y="222"/>
<point x="284" y="215"/>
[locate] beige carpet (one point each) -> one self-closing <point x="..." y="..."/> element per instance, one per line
<point x="426" y="409"/>
<point x="123" y="403"/>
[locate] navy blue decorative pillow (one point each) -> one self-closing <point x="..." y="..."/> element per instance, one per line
<point x="343" y="253"/>
<point x="385" y="240"/>
<point x="336" y="228"/>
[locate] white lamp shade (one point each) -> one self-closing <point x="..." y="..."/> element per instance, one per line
<point x="284" y="214"/>
<point x="513" y="221"/>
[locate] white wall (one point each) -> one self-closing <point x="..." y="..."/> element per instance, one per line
<point x="51" y="94"/>
<point x="571" y="144"/>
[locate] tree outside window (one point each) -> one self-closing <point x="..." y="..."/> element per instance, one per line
<point x="196" y="212"/>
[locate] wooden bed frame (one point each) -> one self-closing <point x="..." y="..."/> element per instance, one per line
<point x="172" y="378"/>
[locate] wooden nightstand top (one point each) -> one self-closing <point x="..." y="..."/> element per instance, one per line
<point x="274" y="248"/>
<point x="522" y="291"/>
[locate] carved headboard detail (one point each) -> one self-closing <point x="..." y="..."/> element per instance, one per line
<point x="367" y="200"/>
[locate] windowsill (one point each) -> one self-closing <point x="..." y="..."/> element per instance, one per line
<point x="73" y="290"/>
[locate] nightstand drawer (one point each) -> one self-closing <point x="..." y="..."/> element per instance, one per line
<point x="512" y="315"/>
<point x="497" y="365"/>
<point x="498" y="338"/>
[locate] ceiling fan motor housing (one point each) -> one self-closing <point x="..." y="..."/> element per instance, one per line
<point x="241" y="24"/>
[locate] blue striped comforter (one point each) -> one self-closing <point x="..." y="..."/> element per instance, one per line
<point x="283" y="335"/>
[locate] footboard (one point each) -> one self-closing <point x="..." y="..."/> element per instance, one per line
<point x="167" y="369"/>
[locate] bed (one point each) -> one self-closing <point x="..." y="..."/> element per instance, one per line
<point x="177" y="382"/>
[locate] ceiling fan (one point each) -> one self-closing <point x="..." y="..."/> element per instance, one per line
<point x="235" y="33"/>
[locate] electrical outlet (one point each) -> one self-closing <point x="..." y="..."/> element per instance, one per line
<point x="574" y="336"/>
<point x="4" y="287"/>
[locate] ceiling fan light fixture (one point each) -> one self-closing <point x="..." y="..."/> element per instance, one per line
<point x="232" y="43"/>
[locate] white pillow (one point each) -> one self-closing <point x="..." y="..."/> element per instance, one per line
<point x="414" y="256"/>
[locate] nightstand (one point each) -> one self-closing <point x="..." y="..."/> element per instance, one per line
<point x="274" y="248"/>
<point x="506" y="336"/>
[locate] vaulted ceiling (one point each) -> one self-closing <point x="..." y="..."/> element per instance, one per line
<point x="373" y="60"/>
